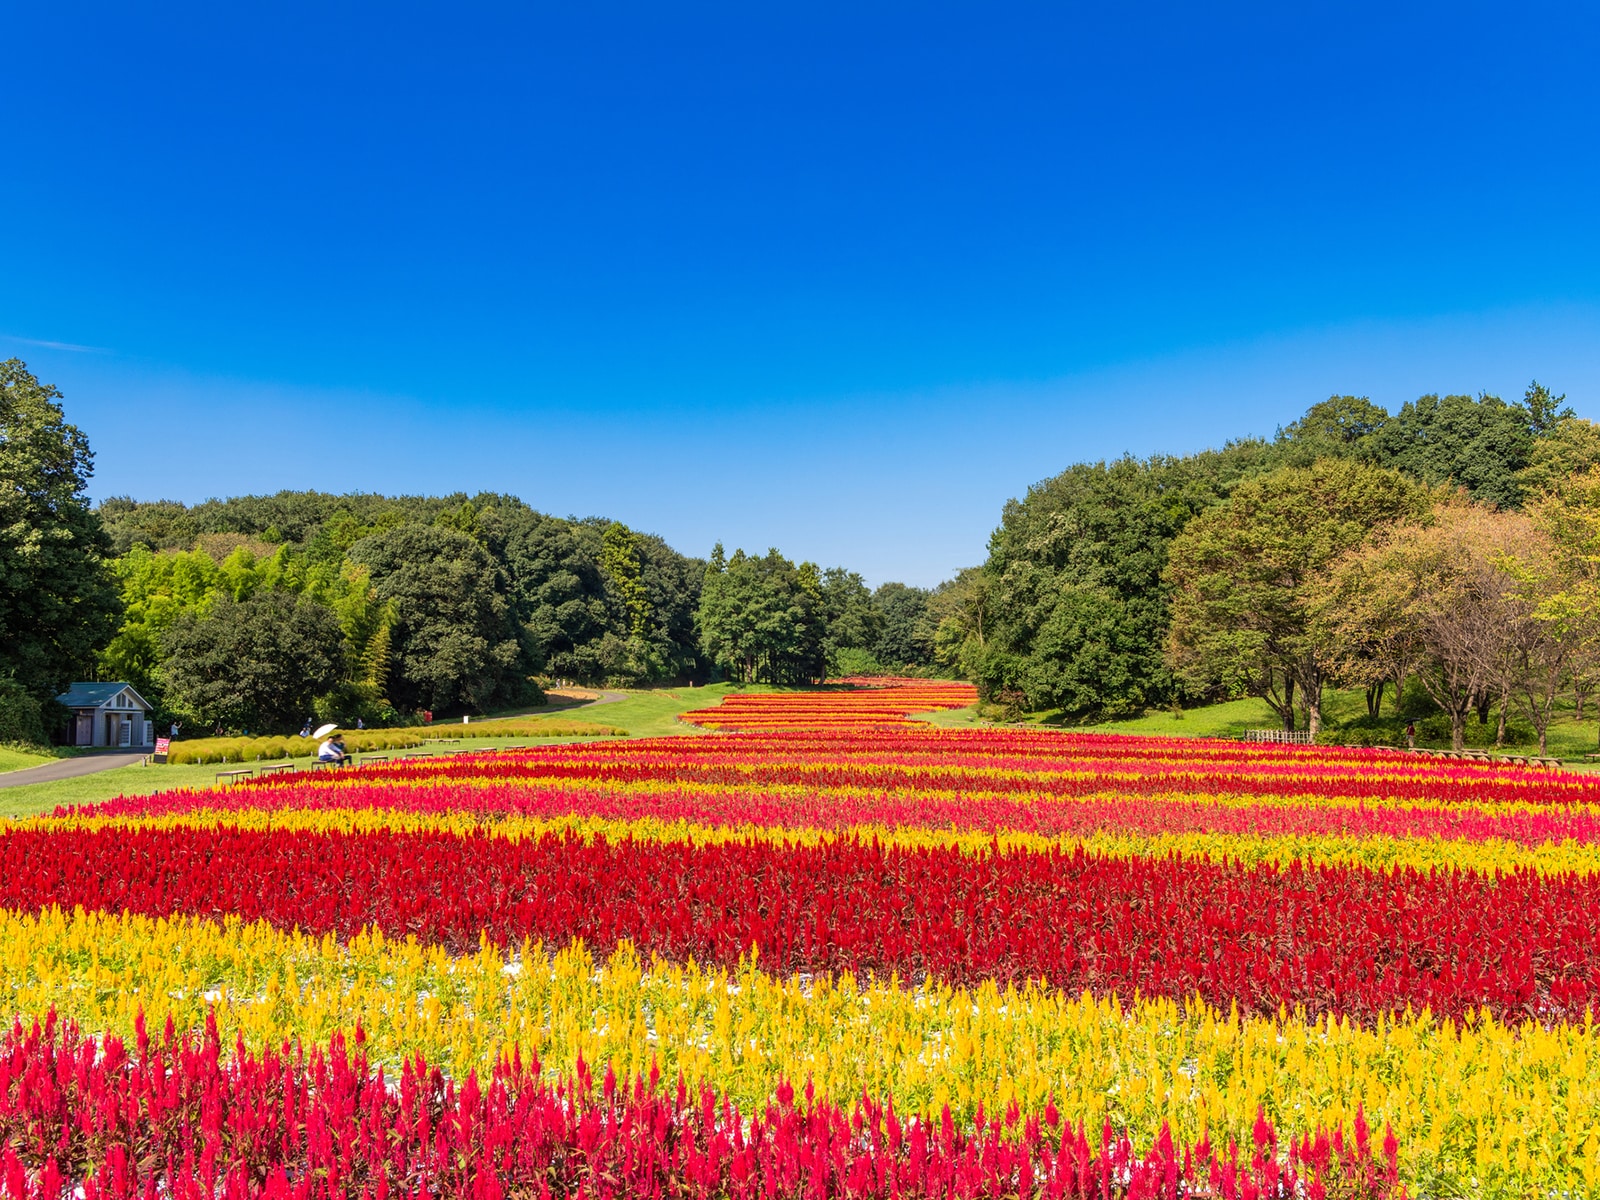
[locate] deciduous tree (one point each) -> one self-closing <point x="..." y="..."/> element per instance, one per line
<point x="58" y="602"/>
<point x="256" y="663"/>
<point x="1246" y="572"/>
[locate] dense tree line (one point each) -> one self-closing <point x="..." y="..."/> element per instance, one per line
<point x="256" y="612"/>
<point x="1114" y="587"/>
<point x="1272" y="567"/>
<point x="448" y="604"/>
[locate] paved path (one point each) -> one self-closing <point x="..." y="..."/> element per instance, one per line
<point x="602" y="698"/>
<point x="67" y="768"/>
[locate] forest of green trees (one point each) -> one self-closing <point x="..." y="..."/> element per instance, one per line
<point x="1116" y="587"/>
<point x="1109" y="589"/>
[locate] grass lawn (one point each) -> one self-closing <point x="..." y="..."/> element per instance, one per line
<point x="1567" y="738"/>
<point x="952" y="718"/>
<point x="654" y="712"/>
<point x="15" y="758"/>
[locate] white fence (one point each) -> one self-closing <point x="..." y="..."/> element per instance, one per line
<point x="1280" y="737"/>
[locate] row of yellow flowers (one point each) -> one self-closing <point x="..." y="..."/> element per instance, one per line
<point x="1377" y="851"/>
<point x="1478" y="1107"/>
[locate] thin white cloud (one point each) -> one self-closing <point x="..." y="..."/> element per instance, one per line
<point x="73" y="347"/>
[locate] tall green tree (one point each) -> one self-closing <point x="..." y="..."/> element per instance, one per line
<point x="764" y="619"/>
<point x="256" y="664"/>
<point x="58" y="602"/>
<point x="1479" y="443"/>
<point x="1245" y="573"/>
<point x="455" y="646"/>
<point x="906" y="637"/>
<point x="1075" y="608"/>
<point x="853" y="622"/>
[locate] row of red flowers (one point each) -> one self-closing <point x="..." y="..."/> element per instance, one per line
<point x="1349" y="940"/>
<point x="179" y="1119"/>
<point x="725" y="807"/>
<point x="959" y="766"/>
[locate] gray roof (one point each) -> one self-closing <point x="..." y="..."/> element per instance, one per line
<point x="93" y="695"/>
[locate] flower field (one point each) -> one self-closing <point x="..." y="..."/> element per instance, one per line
<point x="823" y="950"/>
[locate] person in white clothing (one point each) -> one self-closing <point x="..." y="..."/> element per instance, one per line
<point x="331" y="751"/>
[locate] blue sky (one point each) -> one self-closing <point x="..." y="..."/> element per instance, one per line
<point x="840" y="279"/>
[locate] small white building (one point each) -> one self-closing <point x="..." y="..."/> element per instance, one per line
<point x="108" y="714"/>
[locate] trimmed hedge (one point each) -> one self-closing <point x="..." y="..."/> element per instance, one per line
<point x="367" y="741"/>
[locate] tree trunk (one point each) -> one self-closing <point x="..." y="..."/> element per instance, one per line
<point x="1313" y="700"/>
<point x="1375" y="698"/>
<point x="1580" y="694"/>
<point x="1543" y="729"/>
<point x="1288" y="705"/>
<point x="1500" y="730"/>
<point x="1483" y="701"/>
<point x="1458" y="729"/>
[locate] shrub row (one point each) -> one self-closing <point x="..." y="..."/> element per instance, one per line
<point x="366" y="741"/>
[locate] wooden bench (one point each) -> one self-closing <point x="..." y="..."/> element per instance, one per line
<point x="276" y="769"/>
<point x="234" y="775"/>
<point x="372" y="758"/>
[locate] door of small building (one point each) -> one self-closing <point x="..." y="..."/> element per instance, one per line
<point x="83" y="734"/>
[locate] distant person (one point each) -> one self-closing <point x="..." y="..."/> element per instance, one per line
<point x="1411" y="736"/>
<point x="173" y="732"/>
<point x="305" y="730"/>
<point x="360" y="724"/>
<point x="427" y="716"/>
<point x="217" y="731"/>
<point x="332" y="751"/>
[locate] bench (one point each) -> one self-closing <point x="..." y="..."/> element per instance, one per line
<point x="275" y="769"/>
<point x="372" y="758"/>
<point x="234" y="775"/>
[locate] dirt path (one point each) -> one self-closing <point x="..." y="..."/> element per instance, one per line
<point x="67" y="768"/>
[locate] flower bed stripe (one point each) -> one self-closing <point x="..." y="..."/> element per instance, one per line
<point x="1332" y="939"/>
<point x="1511" y="1106"/>
<point x="181" y="1117"/>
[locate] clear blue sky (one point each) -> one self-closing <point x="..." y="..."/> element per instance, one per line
<point x="836" y="278"/>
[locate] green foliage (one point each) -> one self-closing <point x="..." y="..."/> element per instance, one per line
<point x="455" y="645"/>
<point x="619" y="560"/>
<point x="1075" y="613"/>
<point x="1570" y="448"/>
<point x="1075" y="610"/>
<point x="1480" y="444"/>
<point x="906" y="630"/>
<point x="849" y="662"/>
<point x="58" y="604"/>
<point x="852" y="621"/>
<point x="764" y="618"/>
<point x="1244" y="574"/>
<point x="21" y="716"/>
<point x="588" y="600"/>
<point x="256" y="663"/>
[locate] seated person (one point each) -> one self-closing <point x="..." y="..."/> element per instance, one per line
<point x="332" y="751"/>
